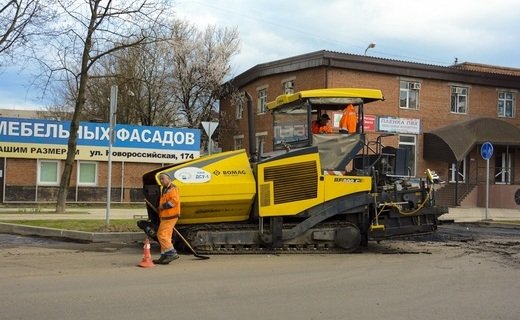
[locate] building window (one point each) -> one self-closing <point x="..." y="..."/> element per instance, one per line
<point x="262" y="100"/>
<point x="48" y="172"/>
<point x="409" y="94"/>
<point x="409" y="142"/>
<point x="288" y="87"/>
<point x="239" y="111"/>
<point x="260" y="142"/>
<point x="87" y="173"/>
<point x="459" y="99"/>
<point x="239" y="142"/>
<point x="506" y="104"/>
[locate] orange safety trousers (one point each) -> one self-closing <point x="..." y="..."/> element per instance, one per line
<point x="165" y="233"/>
<point x="169" y="216"/>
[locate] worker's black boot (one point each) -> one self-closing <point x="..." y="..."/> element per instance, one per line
<point x="167" y="257"/>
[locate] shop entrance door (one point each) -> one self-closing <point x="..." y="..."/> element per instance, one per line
<point x="503" y="168"/>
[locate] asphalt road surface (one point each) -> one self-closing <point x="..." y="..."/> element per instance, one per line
<point x="462" y="272"/>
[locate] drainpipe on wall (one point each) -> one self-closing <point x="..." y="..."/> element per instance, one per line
<point x="251" y="127"/>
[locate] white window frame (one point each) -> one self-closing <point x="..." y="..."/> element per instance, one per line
<point x="502" y="98"/>
<point x="456" y="93"/>
<point x="58" y="173"/>
<point x="239" y="111"/>
<point x="238" y="142"/>
<point x="288" y="86"/>
<point x="262" y="100"/>
<point x="260" y="142"/>
<point x="414" y="149"/>
<point x="78" y="175"/>
<point x="407" y="88"/>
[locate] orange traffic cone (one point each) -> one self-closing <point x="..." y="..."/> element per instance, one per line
<point x="147" y="257"/>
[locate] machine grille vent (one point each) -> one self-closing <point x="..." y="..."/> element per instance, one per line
<point x="293" y="182"/>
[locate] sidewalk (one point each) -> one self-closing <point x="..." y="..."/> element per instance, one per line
<point x="464" y="214"/>
<point x="11" y="214"/>
<point x="459" y="214"/>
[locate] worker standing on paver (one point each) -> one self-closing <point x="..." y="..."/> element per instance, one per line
<point x="348" y="121"/>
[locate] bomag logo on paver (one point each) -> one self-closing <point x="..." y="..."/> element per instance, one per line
<point x="233" y="172"/>
<point x="347" y="180"/>
<point x="230" y="172"/>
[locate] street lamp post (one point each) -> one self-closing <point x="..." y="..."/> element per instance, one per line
<point x="370" y="46"/>
<point x="112" y="120"/>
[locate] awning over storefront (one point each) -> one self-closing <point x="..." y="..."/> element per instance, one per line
<point x="453" y="142"/>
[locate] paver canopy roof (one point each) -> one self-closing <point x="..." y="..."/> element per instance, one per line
<point x="330" y="96"/>
<point x="453" y="142"/>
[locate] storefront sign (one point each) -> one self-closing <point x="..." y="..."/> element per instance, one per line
<point x="48" y="139"/>
<point x="399" y="125"/>
<point x="369" y="124"/>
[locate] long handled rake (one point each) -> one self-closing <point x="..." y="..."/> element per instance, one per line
<point x="195" y="254"/>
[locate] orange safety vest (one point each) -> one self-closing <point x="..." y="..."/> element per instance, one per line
<point x="348" y="120"/>
<point x="316" y="127"/>
<point x="326" y="129"/>
<point x="169" y="204"/>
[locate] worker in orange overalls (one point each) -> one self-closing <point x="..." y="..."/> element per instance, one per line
<point x="322" y="125"/>
<point x="348" y="121"/>
<point x="169" y="212"/>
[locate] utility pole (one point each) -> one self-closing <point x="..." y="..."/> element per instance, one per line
<point x="112" y="119"/>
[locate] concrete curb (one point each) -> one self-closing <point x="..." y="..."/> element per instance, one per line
<point x="94" y="237"/>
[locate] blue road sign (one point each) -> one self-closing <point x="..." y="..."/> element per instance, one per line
<point x="486" y="151"/>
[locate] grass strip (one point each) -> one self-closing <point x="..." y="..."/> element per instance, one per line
<point x="117" y="225"/>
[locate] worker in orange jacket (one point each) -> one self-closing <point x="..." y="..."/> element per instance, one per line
<point x="348" y="121"/>
<point x="322" y="125"/>
<point x="169" y="212"/>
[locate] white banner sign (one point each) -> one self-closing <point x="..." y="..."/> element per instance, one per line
<point x="399" y="125"/>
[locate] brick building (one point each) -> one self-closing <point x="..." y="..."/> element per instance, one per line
<point x="456" y="109"/>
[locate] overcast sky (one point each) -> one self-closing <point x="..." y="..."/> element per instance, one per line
<point x="432" y="32"/>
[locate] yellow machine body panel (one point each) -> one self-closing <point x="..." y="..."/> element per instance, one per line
<point x="215" y="188"/>
<point x="339" y="185"/>
<point x="289" y="184"/>
<point x="295" y="182"/>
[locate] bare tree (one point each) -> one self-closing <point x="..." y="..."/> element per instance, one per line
<point x="173" y="83"/>
<point x="93" y="30"/>
<point x="20" y="21"/>
<point x="145" y="92"/>
<point x="201" y="61"/>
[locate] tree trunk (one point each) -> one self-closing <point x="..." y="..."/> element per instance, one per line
<point x="74" y="124"/>
<point x="71" y="151"/>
